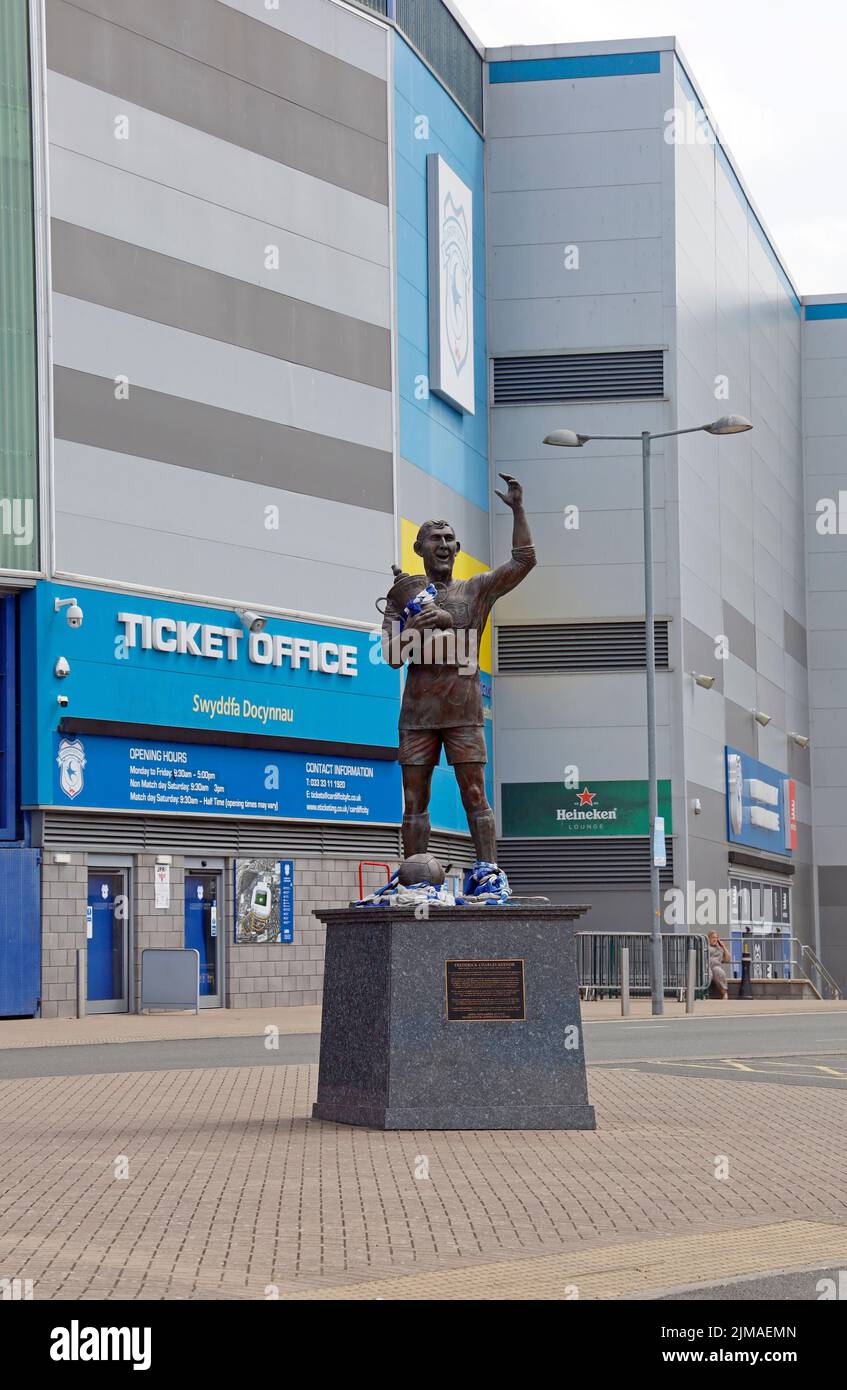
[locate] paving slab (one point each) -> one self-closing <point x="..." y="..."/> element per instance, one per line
<point x="217" y="1184"/>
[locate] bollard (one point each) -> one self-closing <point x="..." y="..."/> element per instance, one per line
<point x="625" y="981"/>
<point x="81" y="957"/>
<point x="745" y="989"/>
<point x="691" y="981"/>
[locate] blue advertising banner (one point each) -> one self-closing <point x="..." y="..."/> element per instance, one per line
<point x="199" y="779"/>
<point x="141" y="661"/>
<point x="760" y="804"/>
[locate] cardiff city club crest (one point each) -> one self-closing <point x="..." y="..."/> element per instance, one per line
<point x="71" y="761"/>
<point x="456" y="262"/>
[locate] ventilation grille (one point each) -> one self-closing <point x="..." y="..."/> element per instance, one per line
<point x="588" y="376"/>
<point x="442" y="41"/>
<point x="580" y="647"/>
<point x="193" y="835"/>
<point x="540" y="866"/>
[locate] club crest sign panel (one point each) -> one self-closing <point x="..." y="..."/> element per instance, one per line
<point x="450" y="237"/>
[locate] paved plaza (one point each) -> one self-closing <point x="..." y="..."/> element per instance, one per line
<point x="209" y="1183"/>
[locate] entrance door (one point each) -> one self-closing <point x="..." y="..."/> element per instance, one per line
<point x="760" y="913"/>
<point x="108" y="939"/>
<point x="202" y="926"/>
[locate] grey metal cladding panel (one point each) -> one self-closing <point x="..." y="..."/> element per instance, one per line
<point x="798" y="761"/>
<point x="121" y="554"/>
<point x="104" y="270"/>
<point x="740" y="728"/>
<point x="699" y="653"/>
<point x="795" y="640"/>
<point x="741" y="633"/>
<point x="150" y="424"/>
<point x="832" y="887"/>
<point x="103" y="55"/>
<point x="257" y="53"/>
<point x="711" y="821"/>
<point x="419" y="496"/>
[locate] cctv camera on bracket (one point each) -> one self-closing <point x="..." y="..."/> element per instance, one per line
<point x="74" y="614"/>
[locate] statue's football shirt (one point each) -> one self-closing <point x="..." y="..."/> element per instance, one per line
<point x="441" y="696"/>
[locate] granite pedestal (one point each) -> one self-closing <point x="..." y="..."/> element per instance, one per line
<point x="407" y="1037"/>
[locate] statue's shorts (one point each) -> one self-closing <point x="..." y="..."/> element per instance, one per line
<point x="422" y="747"/>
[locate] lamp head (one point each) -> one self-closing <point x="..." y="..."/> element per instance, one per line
<point x="729" y="424"/>
<point x="566" y="439"/>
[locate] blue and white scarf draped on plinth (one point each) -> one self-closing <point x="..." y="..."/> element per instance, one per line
<point x="484" y="885"/>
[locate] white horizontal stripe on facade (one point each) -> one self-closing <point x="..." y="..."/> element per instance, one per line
<point x="582" y="323"/>
<point x="82" y="119"/>
<point x="564" y="106"/>
<point x="157" y="496"/>
<point x="118" y="553"/>
<point x="570" y="703"/>
<point x="603" y="267"/>
<point x="602" y="537"/>
<point x="209" y="535"/>
<point x="600" y="754"/>
<point x="563" y="216"/>
<point x="586" y="160"/>
<point x="107" y="343"/>
<point x="121" y="204"/>
<point x="551" y="593"/>
<point x="351" y="37"/>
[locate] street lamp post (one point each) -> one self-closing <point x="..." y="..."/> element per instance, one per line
<point x="727" y="424"/>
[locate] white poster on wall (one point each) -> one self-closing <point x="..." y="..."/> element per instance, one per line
<point x="163" y="885"/>
<point x="450" y="241"/>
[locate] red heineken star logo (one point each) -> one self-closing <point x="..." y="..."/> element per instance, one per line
<point x="586" y="797"/>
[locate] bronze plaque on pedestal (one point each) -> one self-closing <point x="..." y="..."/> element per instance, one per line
<point x="484" y="991"/>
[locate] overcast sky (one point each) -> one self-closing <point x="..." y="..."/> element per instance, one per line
<point x="773" y="75"/>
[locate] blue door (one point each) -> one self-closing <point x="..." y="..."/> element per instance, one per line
<point x="20" y="931"/>
<point x="107" y="932"/>
<point x="202" y="920"/>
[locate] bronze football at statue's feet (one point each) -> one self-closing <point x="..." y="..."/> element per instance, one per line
<point x="420" y="868"/>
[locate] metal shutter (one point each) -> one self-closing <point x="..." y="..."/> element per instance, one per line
<point x="195" y="835"/>
<point x="612" y="646"/>
<point x="585" y="376"/>
<point x="539" y="866"/>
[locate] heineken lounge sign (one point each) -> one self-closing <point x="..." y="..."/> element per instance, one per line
<point x="593" y="808"/>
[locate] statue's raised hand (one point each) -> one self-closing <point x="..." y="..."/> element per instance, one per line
<point x="514" y="497"/>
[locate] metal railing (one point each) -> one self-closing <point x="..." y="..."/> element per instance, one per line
<point x="816" y="971"/>
<point x="771" y="958"/>
<point x="784" y="958"/>
<point x="598" y="956"/>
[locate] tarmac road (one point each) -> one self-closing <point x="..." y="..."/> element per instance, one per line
<point x="810" y="1042"/>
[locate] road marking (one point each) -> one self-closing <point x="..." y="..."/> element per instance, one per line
<point x="717" y="1018"/>
<point x="769" y="1066"/>
<point x="609" y="1272"/>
